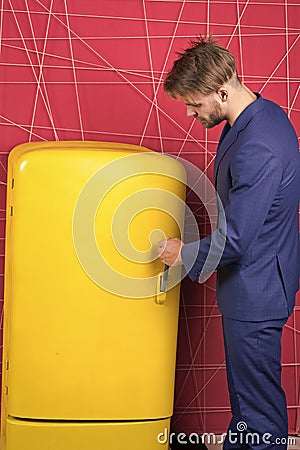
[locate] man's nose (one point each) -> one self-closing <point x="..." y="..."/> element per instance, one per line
<point x="190" y="111"/>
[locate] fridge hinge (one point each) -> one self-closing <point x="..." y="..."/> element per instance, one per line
<point x="12" y="183"/>
<point x="5" y="390"/>
<point x="7" y="365"/>
<point x="11" y="211"/>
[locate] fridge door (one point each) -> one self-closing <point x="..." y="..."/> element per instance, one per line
<point x="147" y="435"/>
<point x="88" y="336"/>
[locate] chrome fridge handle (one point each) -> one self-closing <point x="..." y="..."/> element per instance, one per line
<point x="162" y="281"/>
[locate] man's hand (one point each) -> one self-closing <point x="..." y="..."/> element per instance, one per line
<point x="169" y="251"/>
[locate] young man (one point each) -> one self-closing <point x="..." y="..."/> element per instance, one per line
<point x="257" y="178"/>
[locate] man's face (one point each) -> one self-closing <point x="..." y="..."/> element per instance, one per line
<point x="206" y="108"/>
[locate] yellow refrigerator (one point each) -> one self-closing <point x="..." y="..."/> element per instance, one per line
<point x="91" y="314"/>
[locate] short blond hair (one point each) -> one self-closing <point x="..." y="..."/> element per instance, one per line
<point x="201" y="68"/>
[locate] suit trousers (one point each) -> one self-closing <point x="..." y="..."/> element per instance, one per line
<point x="258" y="402"/>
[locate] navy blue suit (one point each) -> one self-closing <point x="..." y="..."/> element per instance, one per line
<point x="257" y="178"/>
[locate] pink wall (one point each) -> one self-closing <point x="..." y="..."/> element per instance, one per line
<point x="93" y="70"/>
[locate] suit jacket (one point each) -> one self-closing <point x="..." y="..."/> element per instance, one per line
<point x="257" y="178"/>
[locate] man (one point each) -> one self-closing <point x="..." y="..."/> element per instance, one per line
<point x="257" y="178"/>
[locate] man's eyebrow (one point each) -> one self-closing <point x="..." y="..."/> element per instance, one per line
<point x="193" y="104"/>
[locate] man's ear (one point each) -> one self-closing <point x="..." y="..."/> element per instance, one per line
<point x="223" y="94"/>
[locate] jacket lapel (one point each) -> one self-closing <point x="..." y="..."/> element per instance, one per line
<point x="228" y="137"/>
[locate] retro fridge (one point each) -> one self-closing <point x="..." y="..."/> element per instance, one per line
<point x="90" y="312"/>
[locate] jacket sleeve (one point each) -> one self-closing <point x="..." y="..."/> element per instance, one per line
<point x="256" y="173"/>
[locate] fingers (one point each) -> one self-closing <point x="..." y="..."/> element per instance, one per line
<point x="169" y="251"/>
<point x="162" y="247"/>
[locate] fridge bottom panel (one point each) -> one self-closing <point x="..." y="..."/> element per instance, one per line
<point x="30" y="435"/>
